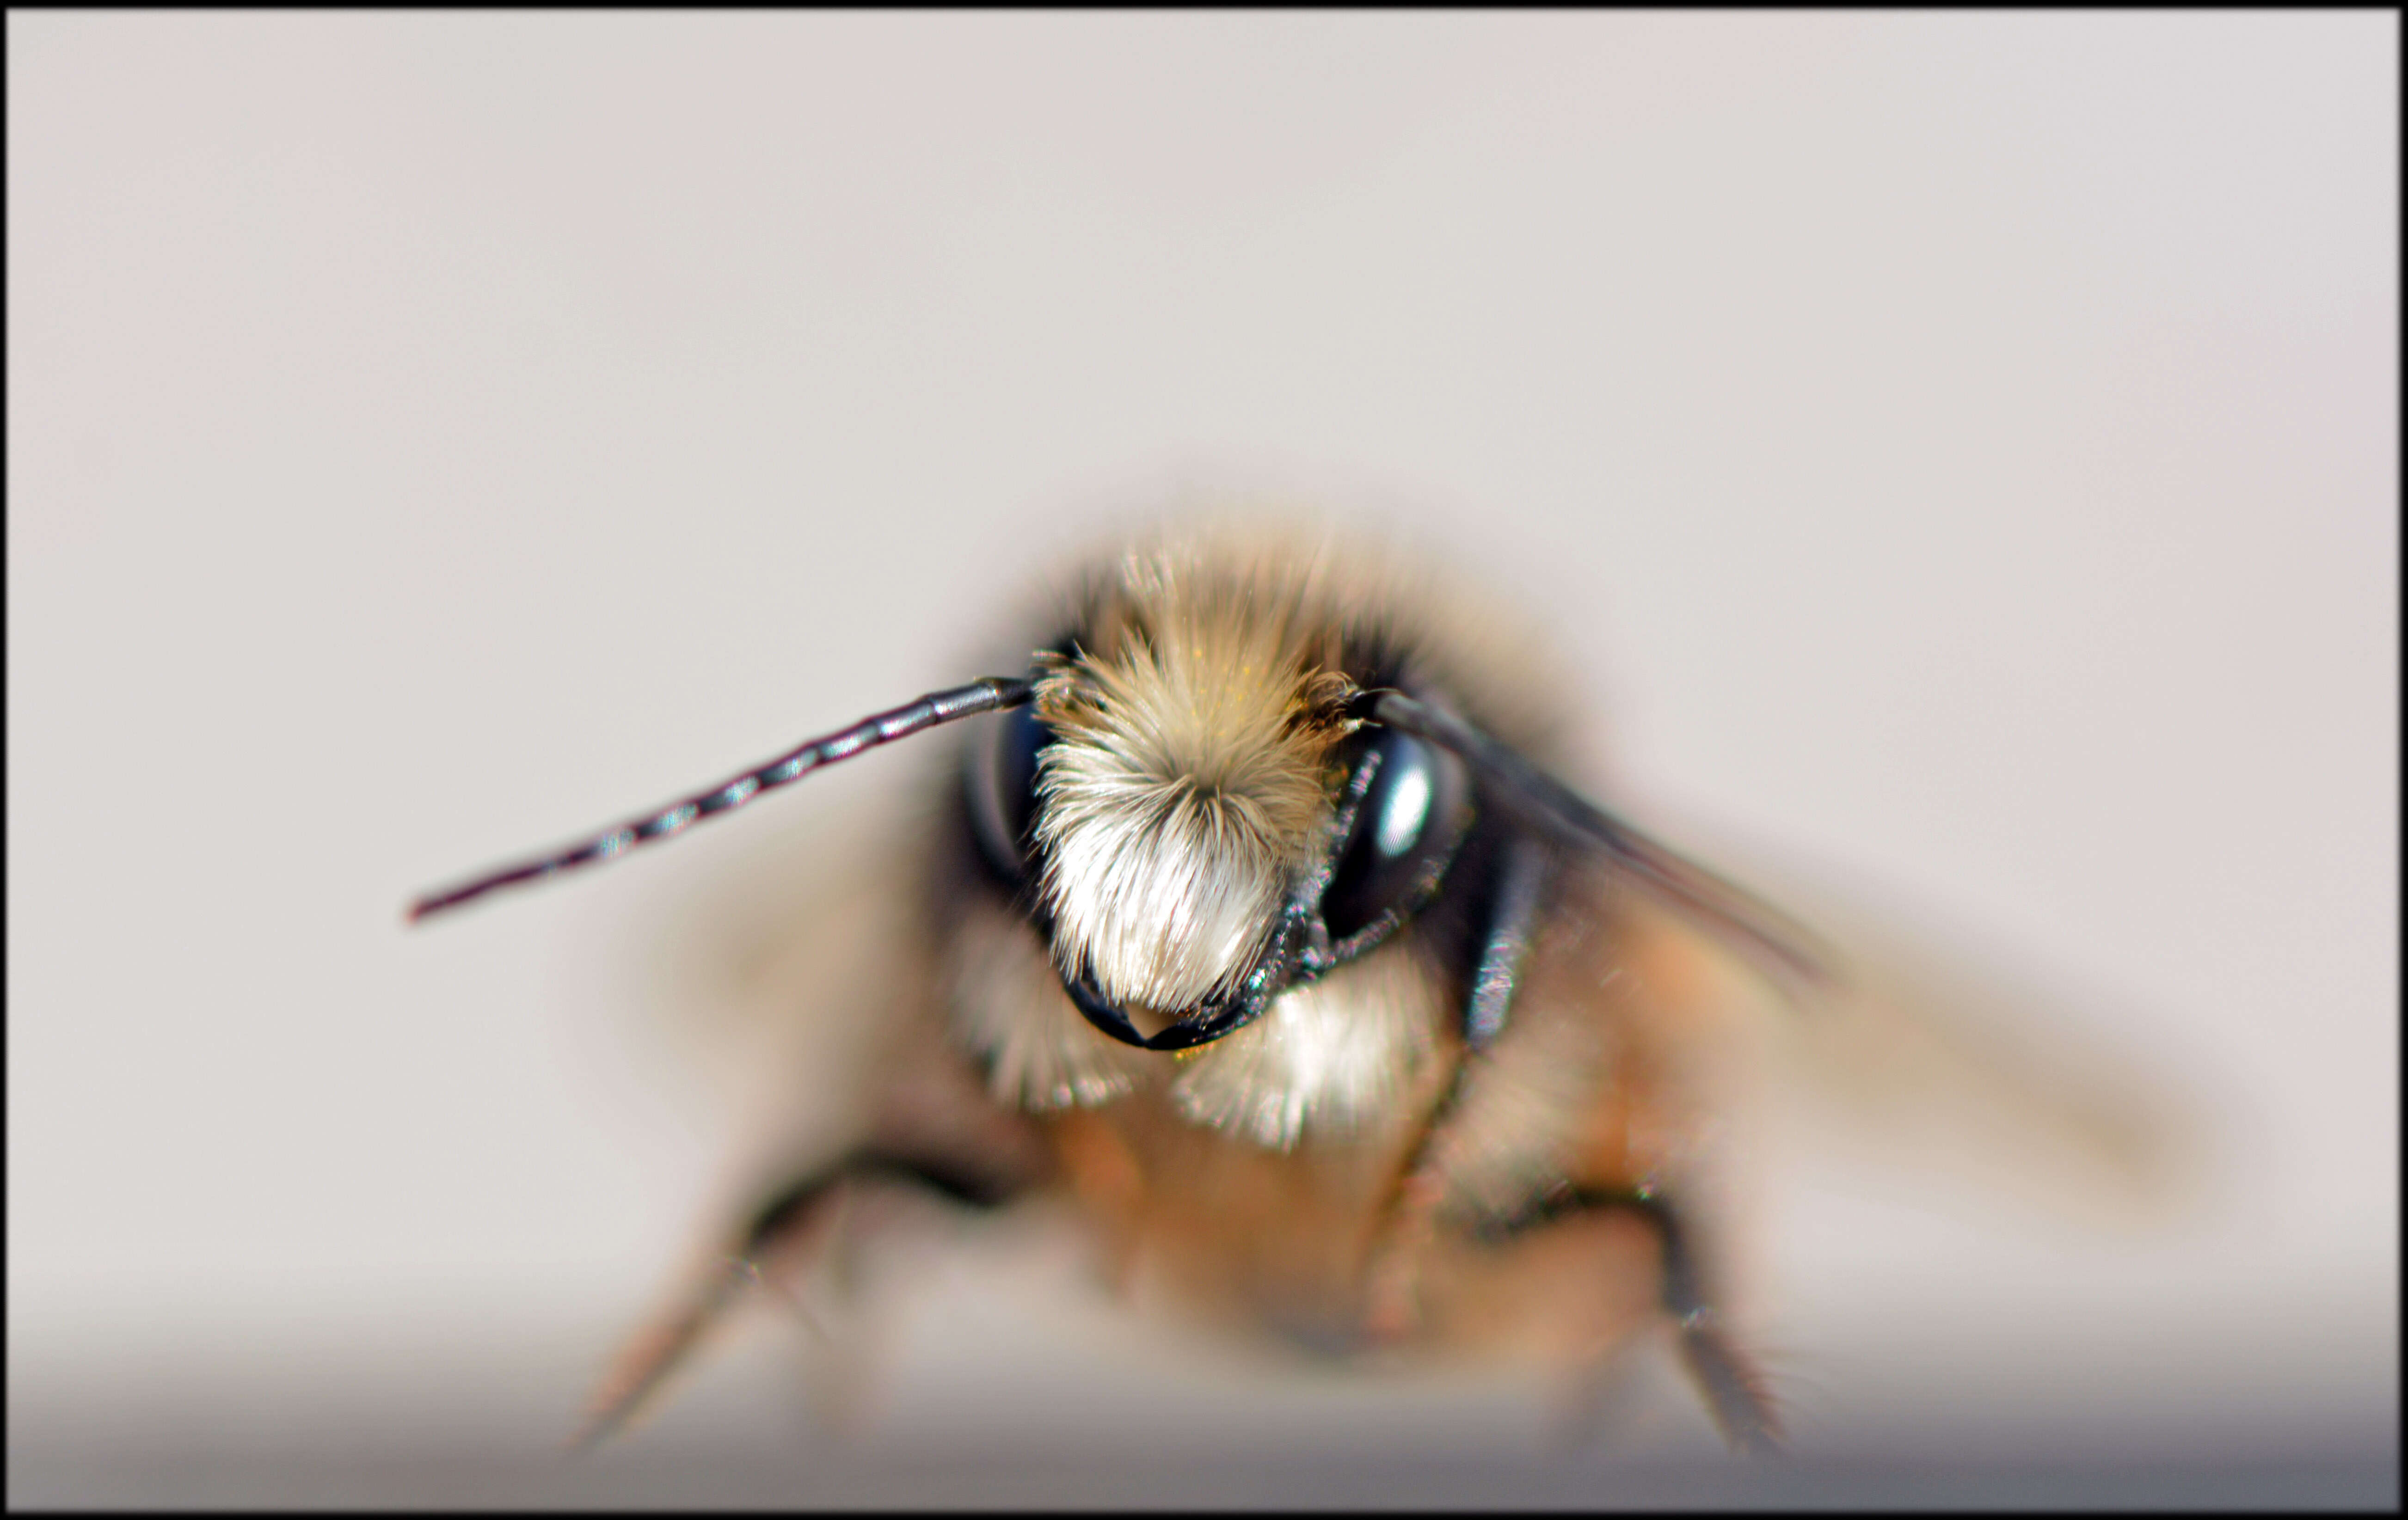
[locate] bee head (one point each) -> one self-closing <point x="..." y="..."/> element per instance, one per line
<point x="1179" y="794"/>
<point x="1181" y="802"/>
<point x="1188" y="786"/>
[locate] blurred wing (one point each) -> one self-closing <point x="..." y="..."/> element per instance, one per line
<point x="1926" y="1048"/>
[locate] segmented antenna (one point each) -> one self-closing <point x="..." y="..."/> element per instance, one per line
<point x="1785" y="950"/>
<point x="989" y="694"/>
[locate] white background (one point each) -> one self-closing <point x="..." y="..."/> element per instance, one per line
<point x="1959" y="452"/>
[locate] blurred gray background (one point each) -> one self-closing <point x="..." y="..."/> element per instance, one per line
<point x="1956" y="453"/>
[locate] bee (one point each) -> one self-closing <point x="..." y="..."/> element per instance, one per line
<point x="1257" y="919"/>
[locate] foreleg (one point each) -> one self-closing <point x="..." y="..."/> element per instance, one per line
<point x="773" y="1232"/>
<point x="1734" y="1390"/>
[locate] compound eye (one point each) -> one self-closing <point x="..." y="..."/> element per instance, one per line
<point x="1404" y="834"/>
<point x="1002" y="777"/>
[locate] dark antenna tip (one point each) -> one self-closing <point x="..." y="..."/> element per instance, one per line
<point x="422" y="909"/>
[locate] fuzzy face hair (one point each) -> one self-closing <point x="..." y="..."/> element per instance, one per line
<point x="1190" y="779"/>
<point x="1337" y="1057"/>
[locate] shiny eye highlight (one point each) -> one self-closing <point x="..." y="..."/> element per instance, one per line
<point x="1404" y="814"/>
<point x="1404" y="835"/>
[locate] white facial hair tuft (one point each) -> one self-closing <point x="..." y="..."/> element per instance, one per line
<point x="1181" y="795"/>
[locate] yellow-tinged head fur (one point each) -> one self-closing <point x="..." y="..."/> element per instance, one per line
<point x="1190" y="779"/>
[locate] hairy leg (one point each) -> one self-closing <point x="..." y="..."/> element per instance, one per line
<point x="1735" y="1391"/>
<point x="774" y="1233"/>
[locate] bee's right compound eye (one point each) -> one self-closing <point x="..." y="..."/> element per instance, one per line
<point x="1003" y="788"/>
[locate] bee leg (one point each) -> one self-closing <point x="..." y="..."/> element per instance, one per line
<point x="775" y="1230"/>
<point x="1512" y="924"/>
<point x="1735" y="1391"/>
<point x="1410" y="1217"/>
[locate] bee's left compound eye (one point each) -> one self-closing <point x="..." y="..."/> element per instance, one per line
<point x="1003" y="788"/>
<point x="1404" y="834"/>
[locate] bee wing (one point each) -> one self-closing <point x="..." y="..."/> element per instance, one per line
<point x="1923" y="1048"/>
